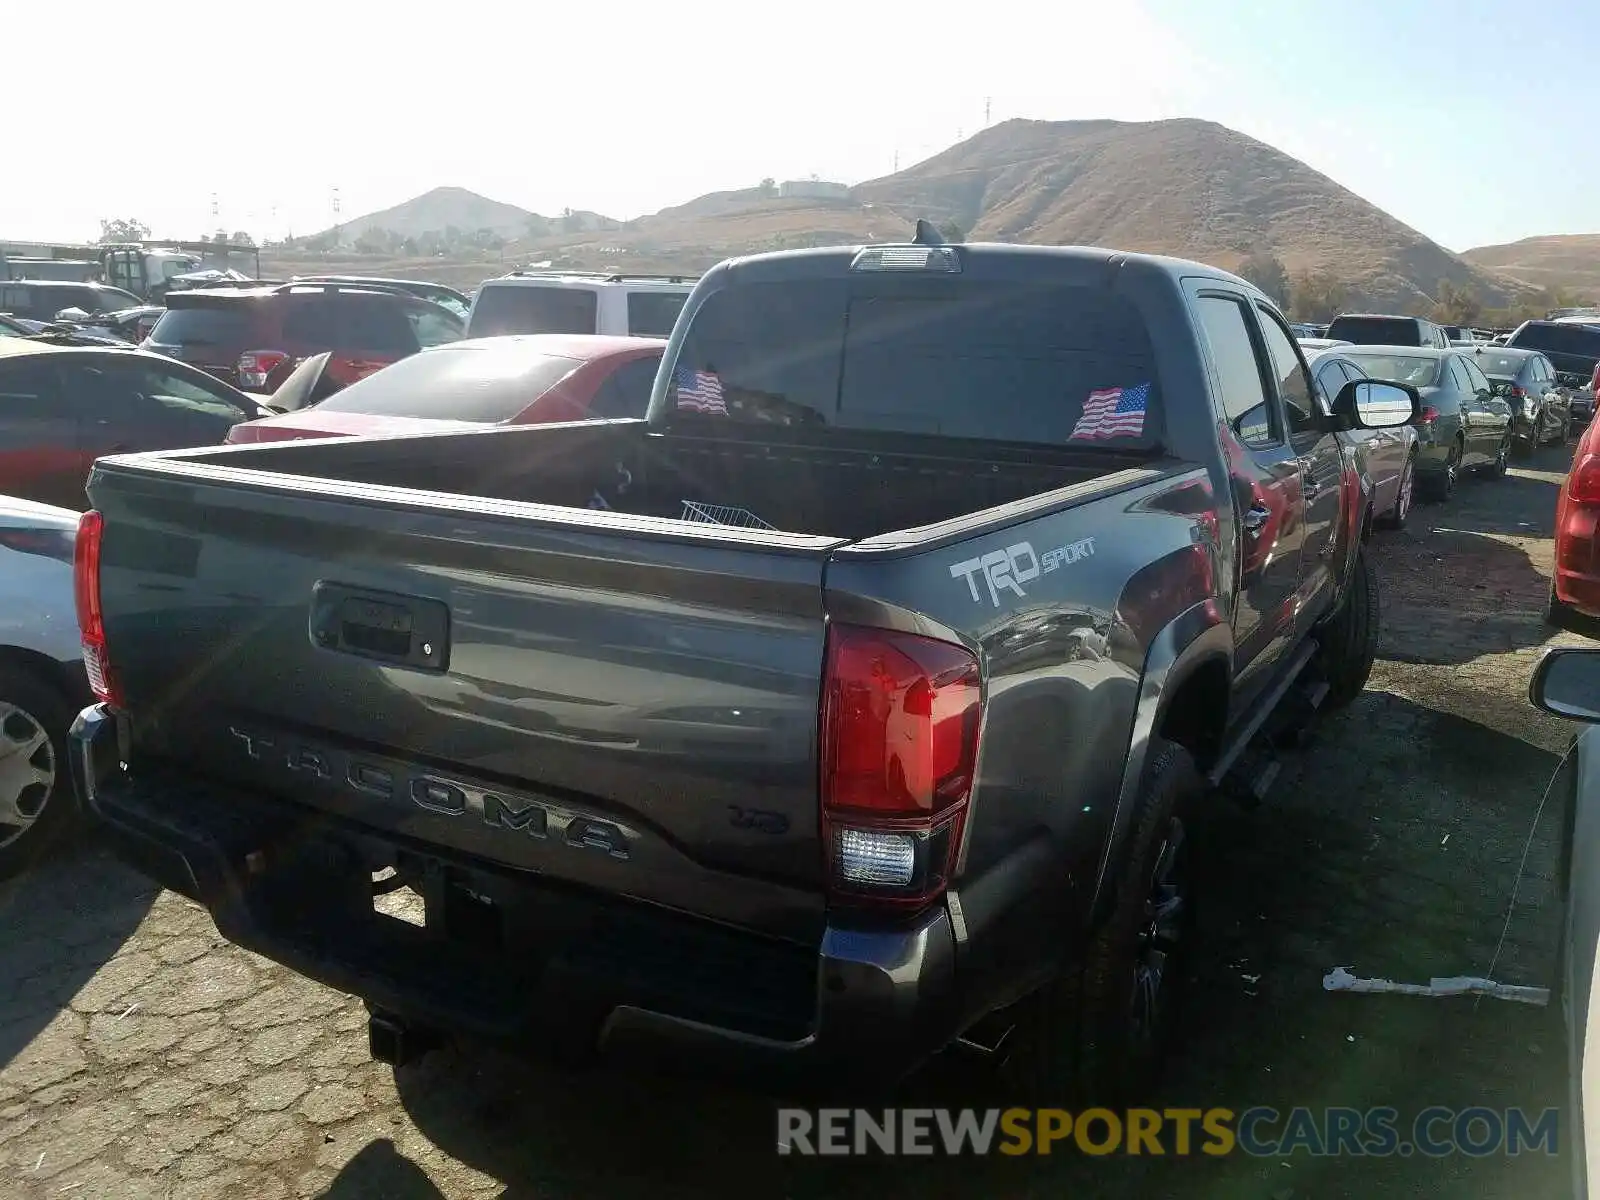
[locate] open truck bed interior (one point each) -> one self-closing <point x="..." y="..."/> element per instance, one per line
<point x="744" y="477"/>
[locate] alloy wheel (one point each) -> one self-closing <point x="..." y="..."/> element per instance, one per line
<point x="28" y="771"/>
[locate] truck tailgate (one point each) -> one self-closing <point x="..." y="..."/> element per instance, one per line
<point x="605" y="700"/>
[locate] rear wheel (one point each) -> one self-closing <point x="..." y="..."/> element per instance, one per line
<point x="1442" y="483"/>
<point x="1502" y="459"/>
<point x="36" y="801"/>
<point x="1100" y="1032"/>
<point x="1395" y="518"/>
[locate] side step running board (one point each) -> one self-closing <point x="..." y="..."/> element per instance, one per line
<point x="1265" y="707"/>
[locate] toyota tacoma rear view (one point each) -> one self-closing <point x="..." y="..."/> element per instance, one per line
<point x="850" y="704"/>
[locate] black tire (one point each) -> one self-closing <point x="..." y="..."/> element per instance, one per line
<point x="29" y="703"/>
<point x="1502" y="459"/>
<point x="1348" y="641"/>
<point x="1100" y="1032"/>
<point x="1395" y="518"/>
<point x="1442" y="484"/>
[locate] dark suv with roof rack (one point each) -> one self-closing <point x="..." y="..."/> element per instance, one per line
<point x="252" y="337"/>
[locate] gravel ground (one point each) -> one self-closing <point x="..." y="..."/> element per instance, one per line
<point x="141" y="1056"/>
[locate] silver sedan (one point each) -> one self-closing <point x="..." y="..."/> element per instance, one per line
<point x="42" y="682"/>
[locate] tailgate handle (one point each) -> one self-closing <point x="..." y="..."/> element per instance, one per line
<point x="408" y="631"/>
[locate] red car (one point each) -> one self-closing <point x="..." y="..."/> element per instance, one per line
<point x="483" y="381"/>
<point x="1575" y="587"/>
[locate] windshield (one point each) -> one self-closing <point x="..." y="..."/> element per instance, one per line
<point x="958" y="359"/>
<point x="520" y="308"/>
<point x="456" y="383"/>
<point x="1376" y="331"/>
<point x="1415" y="369"/>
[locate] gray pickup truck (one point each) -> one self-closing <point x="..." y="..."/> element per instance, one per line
<point x="847" y="707"/>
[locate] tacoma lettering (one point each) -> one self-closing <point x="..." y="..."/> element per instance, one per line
<point x="386" y="780"/>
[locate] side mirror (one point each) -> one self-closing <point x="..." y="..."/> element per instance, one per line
<point x="1567" y="683"/>
<point x="1369" y="404"/>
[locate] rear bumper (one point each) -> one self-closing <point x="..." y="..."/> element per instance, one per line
<point x="509" y="957"/>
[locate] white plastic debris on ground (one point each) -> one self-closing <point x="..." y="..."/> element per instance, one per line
<point x="1340" y="980"/>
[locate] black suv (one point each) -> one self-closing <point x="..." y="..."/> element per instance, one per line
<point x="1572" y="348"/>
<point x="252" y="337"/>
<point x="42" y="299"/>
<point x="1383" y="329"/>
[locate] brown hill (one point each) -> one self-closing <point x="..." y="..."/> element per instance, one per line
<point x="440" y="209"/>
<point x="1186" y="187"/>
<point x="1568" y="262"/>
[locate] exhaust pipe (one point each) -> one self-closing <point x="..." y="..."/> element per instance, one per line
<point x="395" y="1041"/>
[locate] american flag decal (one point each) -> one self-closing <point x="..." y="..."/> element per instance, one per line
<point x="1113" y="413"/>
<point x="699" y="391"/>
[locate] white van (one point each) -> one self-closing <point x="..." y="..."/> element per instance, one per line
<point x="578" y="302"/>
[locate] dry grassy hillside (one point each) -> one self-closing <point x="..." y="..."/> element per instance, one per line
<point x="1569" y="262"/>
<point x="1184" y="187"/>
<point x="1190" y="188"/>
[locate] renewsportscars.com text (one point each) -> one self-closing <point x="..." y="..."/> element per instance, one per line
<point x="1433" y="1132"/>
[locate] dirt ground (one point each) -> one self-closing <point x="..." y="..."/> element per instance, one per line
<point x="141" y="1056"/>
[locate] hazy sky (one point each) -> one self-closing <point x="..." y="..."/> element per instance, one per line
<point x="1470" y="120"/>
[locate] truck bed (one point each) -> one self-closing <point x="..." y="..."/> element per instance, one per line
<point x="745" y="478"/>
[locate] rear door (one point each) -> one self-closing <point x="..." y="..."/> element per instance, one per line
<point x="128" y="403"/>
<point x="1319" y="457"/>
<point x="1265" y="470"/>
<point x="1483" y="428"/>
<point x="39" y="454"/>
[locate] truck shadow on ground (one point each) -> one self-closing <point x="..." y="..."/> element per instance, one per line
<point x="59" y="924"/>
<point x="1390" y="847"/>
<point x="381" y="1172"/>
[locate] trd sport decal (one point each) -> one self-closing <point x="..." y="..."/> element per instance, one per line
<point x="1007" y="570"/>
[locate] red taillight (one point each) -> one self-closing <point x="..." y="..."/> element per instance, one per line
<point x="1583" y="485"/>
<point x="1428" y="413"/>
<point x="900" y="722"/>
<point x="86" y="593"/>
<point x="1517" y="392"/>
<point x="256" y="366"/>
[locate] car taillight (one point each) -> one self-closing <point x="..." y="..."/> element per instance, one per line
<point x="86" y="592"/>
<point x="900" y="723"/>
<point x="1428" y="413"/>
<point x="255" y="366"/>
<point x="1518" y="392"/>
<point x="1583" y="485"/>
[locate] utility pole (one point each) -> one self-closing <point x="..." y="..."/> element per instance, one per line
<point x="335" y="216"/>
<point x="987" y="101"/>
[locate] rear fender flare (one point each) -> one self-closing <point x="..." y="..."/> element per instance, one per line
<point x="1194" y="637"/>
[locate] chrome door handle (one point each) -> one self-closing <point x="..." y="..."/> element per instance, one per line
<point x="1255" y="518"/>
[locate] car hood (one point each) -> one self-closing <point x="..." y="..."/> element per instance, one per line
<point x="315" y="423"/>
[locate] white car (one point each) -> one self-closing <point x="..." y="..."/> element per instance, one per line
<point x="42" y="682"/>
<point x="578" y="302"/>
